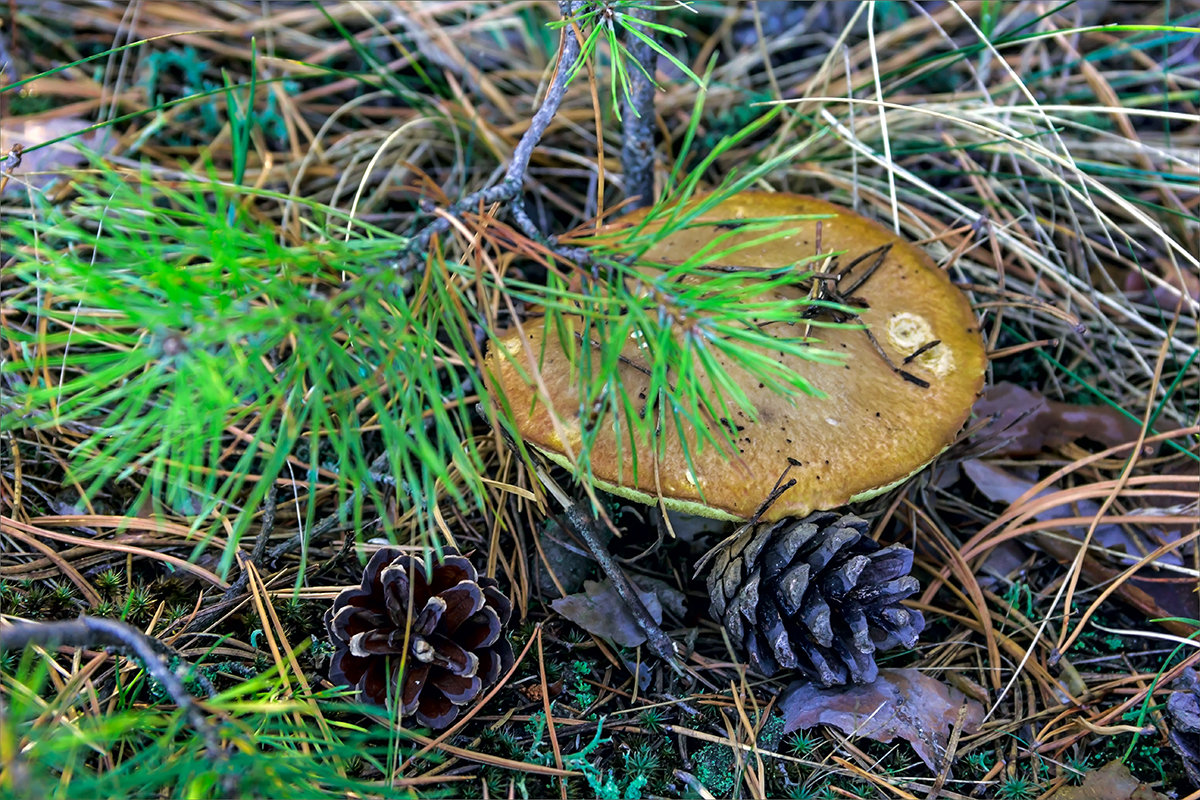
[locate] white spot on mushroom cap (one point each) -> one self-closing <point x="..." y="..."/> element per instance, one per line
<point x="512" y="345"/>
<point x="908" y="332"/>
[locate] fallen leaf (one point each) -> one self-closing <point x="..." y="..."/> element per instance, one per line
<point x="39" y="166"/>
<point x="1152" y="595"/>
<point x="600" y="611"/>
<point x="900" y="702"/>
<point x="670" y="598"/>
<point x="1165" y="294"/>
<point x="1026" y="422"/>
<point x="571" y="563"/>
<point x="1005" y="486"/>
<point x="1113" y="781"/>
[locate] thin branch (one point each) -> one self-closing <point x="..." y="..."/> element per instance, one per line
<point x="509" y="189"/>
<point x="238" y="587"/>
<point x="268" y="526"/>
<point x="128" y="641"/>
<point x="330" y="522"/>
<point x="236" y="593"/>
<point x="579" y="520"/>
<point x="637" y="114"/>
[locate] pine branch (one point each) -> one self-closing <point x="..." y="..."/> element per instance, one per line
<point x="580" y="520"/>
<point x="509" y="189"/>
<point x="128" y="641"/>
<point x="637" y="114"/>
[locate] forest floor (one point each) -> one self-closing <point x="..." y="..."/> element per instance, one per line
<point x="207" y="392"/>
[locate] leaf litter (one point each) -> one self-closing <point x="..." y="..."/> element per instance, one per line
<point x="900" y="702"/>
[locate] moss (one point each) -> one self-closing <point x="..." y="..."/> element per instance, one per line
<point x="716" y="769"/>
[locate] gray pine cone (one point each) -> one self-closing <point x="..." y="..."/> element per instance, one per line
<point x="816" y="595"/>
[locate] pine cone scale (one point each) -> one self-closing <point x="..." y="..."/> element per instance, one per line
<point x="860" y="632"/>
<point x="399" y="589"/>
<point x="461" y="601"/>
<point x="481" y="630"/>
<point x="742" y="608"/>
<point x="454" y="570"/>
<point x="790" y="542"/>
<point x="775" y="633"/>
<point x="459" y="689"/>
<point x="489" y="669"/>
<point x="495" y="599"/>
<point x="839" y="584"/>
<point x="418" y="676"/>
<point x="792" y="585"/>
<point x="818" y="618"/>
<point x="353" y="620"/>
<point x="449" y="655"/>
<point x="370" y="643"/>
<point x="435" y="709"/>
<point x="429" y="617"/>
<point x="887" y="593"/>
<point x="893" y="561"/>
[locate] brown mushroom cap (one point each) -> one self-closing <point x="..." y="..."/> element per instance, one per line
<point x="872" y="430"/>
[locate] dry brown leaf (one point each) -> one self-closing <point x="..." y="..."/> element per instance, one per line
<point x="1149" y="594"/>
<point x="1113" y="781"/>
<point x="39" y="167"/>
<point x="1005" y="486"/>
<point x="600" y="611"/>
<point x="900" y="702"/>
<point x="1026" y="422"/>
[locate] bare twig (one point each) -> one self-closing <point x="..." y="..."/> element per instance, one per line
<point x="509" y="189"/>
<point x="268" y="526"/>
<point x="126" y="640"/>
<point x="637" y="112"/>
<point x="238" y="587"/>
<point x="333" y="520"/>
<point x="579" y="520"/>
<point x="237" y="590"/>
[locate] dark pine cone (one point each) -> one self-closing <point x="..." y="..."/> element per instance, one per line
<point x="455" y="646"/>
<point x="815" y="594"/>
<point x="1183" y="722"/>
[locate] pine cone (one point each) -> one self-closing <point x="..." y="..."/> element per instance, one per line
<point x="454" y="646"/>
<point x="1183" y="721"/>
<point x="815" y="594"/>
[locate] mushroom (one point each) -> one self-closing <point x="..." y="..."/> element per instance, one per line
<point x="896" y="400"/>
<point x="797" y="589"/>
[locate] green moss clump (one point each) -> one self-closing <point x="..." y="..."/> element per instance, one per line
<point x="716" y="769"/>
